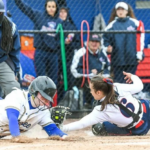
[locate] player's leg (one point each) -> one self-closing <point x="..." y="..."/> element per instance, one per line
<point x="143" y="128"/>
<point x="7" y="78"/>
<point x="106" y="129"/>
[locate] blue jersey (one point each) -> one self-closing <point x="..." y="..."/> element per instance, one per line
<point x="125" y="46"/>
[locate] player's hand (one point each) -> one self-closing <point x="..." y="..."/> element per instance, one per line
<point x="58" y="138"/>
<point x="66" y="138"/>
<point x="127" y="77"/>
<point x="94" y="71"/>
<point x="109" y="49"/>
<point x="67" y="41"/>
<point x="58" y="114"/>
<point x="21" y="139"/>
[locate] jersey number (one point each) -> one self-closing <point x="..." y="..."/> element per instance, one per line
<point x="130" y="106"/>
<point x="25" y="124"/>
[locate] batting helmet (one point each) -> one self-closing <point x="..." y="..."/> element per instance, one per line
<point x="2" y="8"/>
<point x="45" y="86"/>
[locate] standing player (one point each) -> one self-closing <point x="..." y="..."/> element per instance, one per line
<point x="117" y="111"/>
<point x="21" y="110"/>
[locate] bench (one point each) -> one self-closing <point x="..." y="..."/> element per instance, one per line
<point x="143" y="69"/>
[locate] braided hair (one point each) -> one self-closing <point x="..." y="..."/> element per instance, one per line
<point x="7" y="39"/>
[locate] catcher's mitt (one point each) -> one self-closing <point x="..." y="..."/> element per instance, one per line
<point x="58" y="114"/>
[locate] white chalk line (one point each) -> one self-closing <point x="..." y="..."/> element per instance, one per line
<point x="64" y="144"/>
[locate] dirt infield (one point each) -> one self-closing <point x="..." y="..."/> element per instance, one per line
<point x="79" y="140"/>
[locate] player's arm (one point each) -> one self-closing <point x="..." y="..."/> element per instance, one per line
<point x="26" y="9"/>
<point x="77" y="65"/>
<point x="136" y="87"/>
<point x="13" y="106"/>
<point x="12" y="115"/>
<point x="105" y="64"/>
<point x="49" y="126"/>
<point x="53" y="130"/>
<point x="107" y="38"/>
<point x="94" y="117"/>
<point x="140" y="41"/>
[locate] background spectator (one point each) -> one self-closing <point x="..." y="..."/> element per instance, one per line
<point x="125" y="54"/>
<point x="46" y="54"/>
<point x="72" y="42"/>
<point x="9" y="53"/>
<point x="97" y="61"/>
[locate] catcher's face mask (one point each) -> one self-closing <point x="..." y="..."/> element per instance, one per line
<point x="42" y="102"/>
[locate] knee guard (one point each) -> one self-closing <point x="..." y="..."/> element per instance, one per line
<point x="99" y="130"/>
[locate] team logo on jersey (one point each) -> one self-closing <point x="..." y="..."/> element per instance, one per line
<point x="52" y="25"/>
<point x="130" y="28"/>
<point x="101" y="59"/>
<point x="25" y="124"/>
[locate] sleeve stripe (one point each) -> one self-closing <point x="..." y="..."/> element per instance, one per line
<point x="104" y="52"/>
<point x="12" y="108"/>
<point x="75" y="62"/>
<point x="135" y="21"/>
<point x="140" y="37"/>
<point x="110" y="25"/>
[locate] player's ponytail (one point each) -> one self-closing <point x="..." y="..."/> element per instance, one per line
<point x="106" y="86"/>
<point x="7" y="39"/>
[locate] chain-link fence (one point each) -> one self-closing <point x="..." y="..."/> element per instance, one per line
<point x="42" y="51"/>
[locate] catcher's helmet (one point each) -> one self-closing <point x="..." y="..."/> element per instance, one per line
<point x="2" y="8"/>
<point x="45" y="86"/>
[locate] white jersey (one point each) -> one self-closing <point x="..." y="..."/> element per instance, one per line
<point x="28" y="118"/>
<point x="112" y="113"/>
